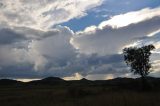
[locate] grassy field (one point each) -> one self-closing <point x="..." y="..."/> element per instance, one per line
<point x="68" y="95"/>
<point x="82" y="93"/>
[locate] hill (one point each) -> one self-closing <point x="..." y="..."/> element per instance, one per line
<point x="119" y="82"/>
<point x="9" y="82"/>
<point x="48" y="80"/>
<point x="53" y="91"/>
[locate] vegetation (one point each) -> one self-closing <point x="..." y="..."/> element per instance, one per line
<point x="116" y="92"/>
<point x="138" y="60"/>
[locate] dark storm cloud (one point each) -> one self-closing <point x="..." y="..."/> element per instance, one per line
<point x="84" y="64"/>
<point x="8" y="36"/>
<point x="88" y="64"/>
<point x="35" y="34"/>
<point x="2" y="5"/>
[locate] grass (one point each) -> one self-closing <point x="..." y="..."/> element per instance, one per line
<point x="42" y="95"/>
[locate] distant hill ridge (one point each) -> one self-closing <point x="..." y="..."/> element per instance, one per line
<point x="8" y="81"/>
<point x="52" y="79"/>
<point x="84" y="79"/>
<point x="57" y="80"/>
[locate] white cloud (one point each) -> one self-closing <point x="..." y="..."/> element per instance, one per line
<point x="11" y="56"/>
<point x="100" y="77"/>
<point x="37" y="47"/>
<point x="76" y="76"/>
<point x="44" y="13"/>
<point x="131" y="17"/>
<point x="110" y="40"/>
<point x="26" y="80"/>
<point x="53" y="48"/>
<point x="53" y="51"/>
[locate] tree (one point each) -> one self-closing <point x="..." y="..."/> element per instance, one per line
<point x="139" y="61"/>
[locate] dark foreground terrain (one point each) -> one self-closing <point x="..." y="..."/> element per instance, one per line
<point x="57" y="92"/>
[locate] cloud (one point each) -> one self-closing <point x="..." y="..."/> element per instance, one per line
<point x="27" y="45"/>
<point x="52" y="55"/>
<point x="131" y="17"/>
<point x="76" y="76"/>
<point x="11" y="56"/>
<point x="53" y="49"/>
<point x="101" y="76"/>
<point x="43" y="14"/>
<point x="8" y="36"/>
<point x="92" y="53"/>
<point x="108" y="39"/>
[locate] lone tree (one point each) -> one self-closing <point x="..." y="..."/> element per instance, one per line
<point x="139" y="61"/>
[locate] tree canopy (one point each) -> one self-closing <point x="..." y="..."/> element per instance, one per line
<point x="138" y="59"/>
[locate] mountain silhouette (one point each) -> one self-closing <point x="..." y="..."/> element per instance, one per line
<point x="84" y="79"/>
<point x="49" y="80"/>
<point x="128" y="83"/>
<point x="8" y="82"/>
<point x="52" y="79"/>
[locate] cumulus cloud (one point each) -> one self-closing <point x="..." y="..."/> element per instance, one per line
<point x="8" y="36"/>
<point x="108" y="39"/>
<point x="27" y="52"/>
<point x="43" y="14"/>
<point x="34" y="46"/>
<point x="54" y="48"/>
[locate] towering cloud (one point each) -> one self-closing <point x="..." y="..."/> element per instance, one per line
<point x="32" y="45"/>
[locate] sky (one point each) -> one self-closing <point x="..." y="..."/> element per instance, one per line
<point x="74" y="39"/>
